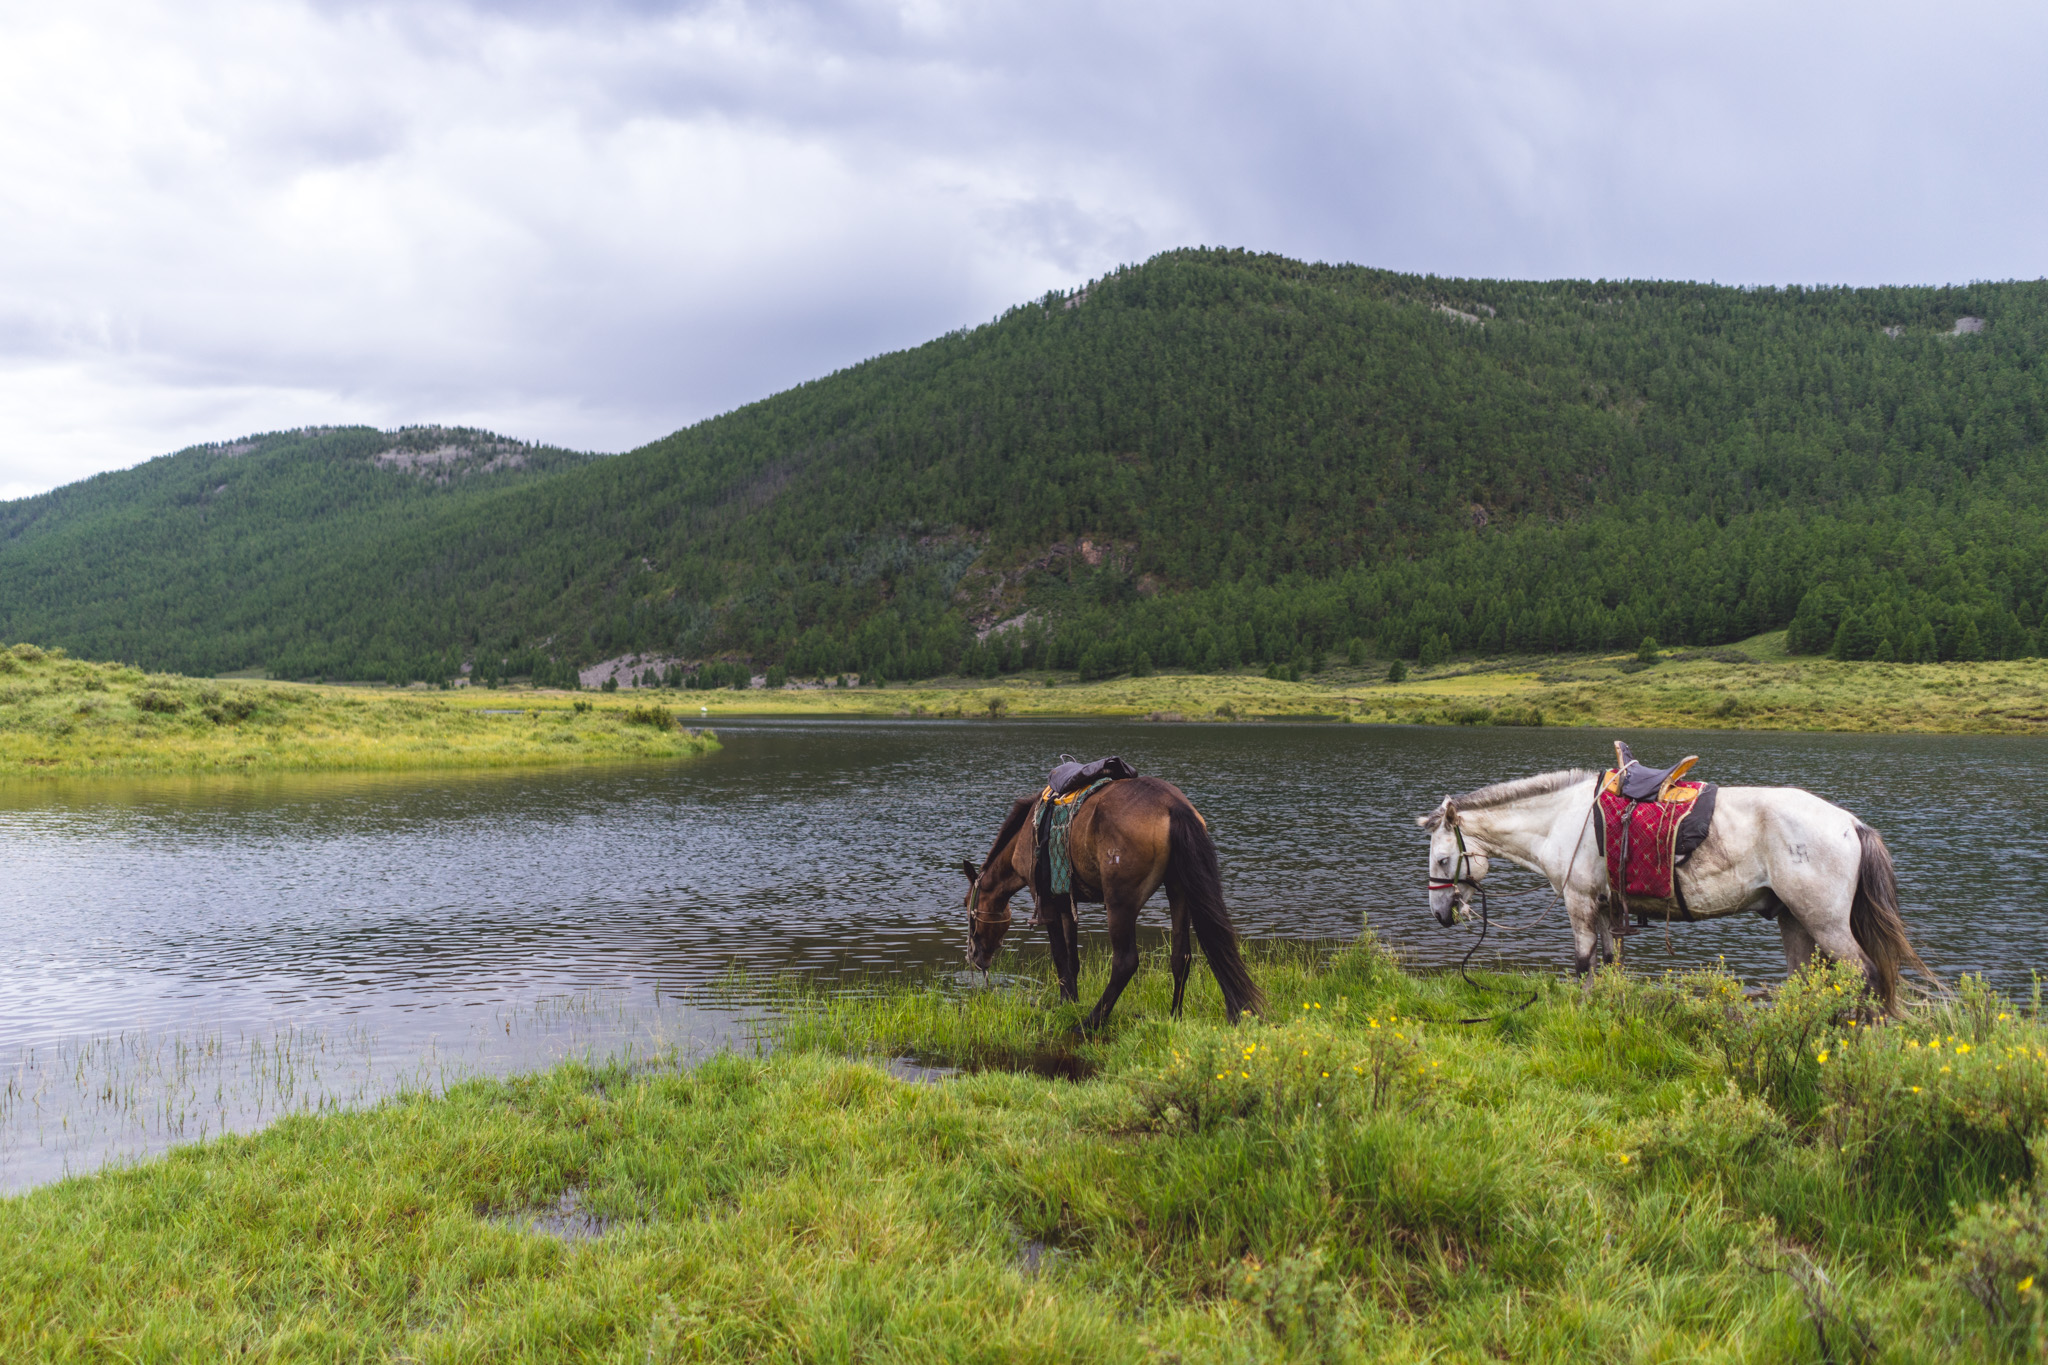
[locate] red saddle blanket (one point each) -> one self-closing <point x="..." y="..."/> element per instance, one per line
<point x="1645" y="835"/>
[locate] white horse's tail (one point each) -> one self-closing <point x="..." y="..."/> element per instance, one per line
<point x="1874" y="920"/>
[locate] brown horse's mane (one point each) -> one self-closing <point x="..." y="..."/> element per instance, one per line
<point x="1014" y="821"/>
<point x="1501" y="793"/>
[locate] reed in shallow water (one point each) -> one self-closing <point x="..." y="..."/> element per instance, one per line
<point x="1666" y="1170"/>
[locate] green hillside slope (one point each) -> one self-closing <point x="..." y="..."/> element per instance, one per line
<point x="190" y="562"/>
<point x="1217" y="459"/>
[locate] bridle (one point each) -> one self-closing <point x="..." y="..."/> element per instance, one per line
<point x="974" y="914"/>
<point x="1461" y="875"/>
<point x="1461" y="872"/>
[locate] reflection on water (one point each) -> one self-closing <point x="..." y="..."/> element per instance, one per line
<point x="407" y="906"/>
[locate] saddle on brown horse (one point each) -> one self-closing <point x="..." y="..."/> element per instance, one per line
<point x="1070" y="784"/>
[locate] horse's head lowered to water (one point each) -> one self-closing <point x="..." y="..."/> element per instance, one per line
<point x="990" y="888"/>
<point x="988" y="918"/>
<point x="1455" y="868"/>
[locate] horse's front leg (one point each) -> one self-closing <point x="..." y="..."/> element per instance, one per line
<point x="1584" y="912"/>
<point x="1061" y="931"/>
<point x="1123" y="958"/>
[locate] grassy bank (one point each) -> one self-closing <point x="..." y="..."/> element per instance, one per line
<point x="1666" y="1172"/>
<point x="70" y="717"/>
<point x="1754" y="686"/>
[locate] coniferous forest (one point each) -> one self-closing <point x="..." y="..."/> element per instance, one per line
<point x="1211" y="460"/>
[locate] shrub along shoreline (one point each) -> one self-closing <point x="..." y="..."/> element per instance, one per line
<point x="1664" y="1171"/>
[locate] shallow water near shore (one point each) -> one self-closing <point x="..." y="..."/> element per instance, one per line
<point x="382" y="930"/>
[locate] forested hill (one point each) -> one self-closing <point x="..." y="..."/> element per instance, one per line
<point x="193" y="561"/>
<point x="1208" y="460"/>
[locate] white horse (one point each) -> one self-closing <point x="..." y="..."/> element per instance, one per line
<point x="1782" y="853"/>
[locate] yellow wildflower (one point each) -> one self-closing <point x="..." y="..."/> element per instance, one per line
<point x="1821" y="1057"/>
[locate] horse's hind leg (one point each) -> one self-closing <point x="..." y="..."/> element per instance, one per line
<point x="1799" y="944"/>
<point x="1123" y="960"/>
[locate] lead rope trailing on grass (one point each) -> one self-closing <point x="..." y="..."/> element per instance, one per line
<point x="1461" y="877"/>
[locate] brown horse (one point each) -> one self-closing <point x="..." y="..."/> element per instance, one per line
<point x="1125" y="842"/>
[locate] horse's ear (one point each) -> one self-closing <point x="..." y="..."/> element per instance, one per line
<point x="967" y="866"/>
<point x="1450" y="811"/>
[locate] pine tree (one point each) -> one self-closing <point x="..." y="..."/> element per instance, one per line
<point x="1970" y="644"/>
<point x="1854" y="638"/>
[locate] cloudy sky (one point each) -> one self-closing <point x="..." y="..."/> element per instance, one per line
<point x="593" y="223"/>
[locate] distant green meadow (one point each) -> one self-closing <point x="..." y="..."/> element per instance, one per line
<point x="69" y="717"/>
<point x="1752" y="686"/>
<point x="1666" y="1170"/>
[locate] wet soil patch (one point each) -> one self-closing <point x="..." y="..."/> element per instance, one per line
<point x="566" y="1220"/>
<point x="1053" y="1064"/>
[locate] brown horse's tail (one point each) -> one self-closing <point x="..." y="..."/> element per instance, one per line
<point x="1194" y="879"/>
<point x="1874" y="920"/>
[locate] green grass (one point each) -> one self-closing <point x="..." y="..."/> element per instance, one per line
<point x="1663" y="1172"/>
<point x="1754" y="686"/>
<point x="69" y="717"/>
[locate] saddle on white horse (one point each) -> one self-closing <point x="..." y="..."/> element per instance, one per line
<point x="1650" y="823"/>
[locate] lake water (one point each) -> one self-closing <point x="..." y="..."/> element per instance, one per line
<point x="294" y="941"/>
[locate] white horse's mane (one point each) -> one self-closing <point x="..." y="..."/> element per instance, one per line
<point x="1502" y="793"/>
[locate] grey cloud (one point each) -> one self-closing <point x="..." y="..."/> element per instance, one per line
<point x="615" y="218"/>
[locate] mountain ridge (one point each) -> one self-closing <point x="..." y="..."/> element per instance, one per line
<point x="1286" y="457"/>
